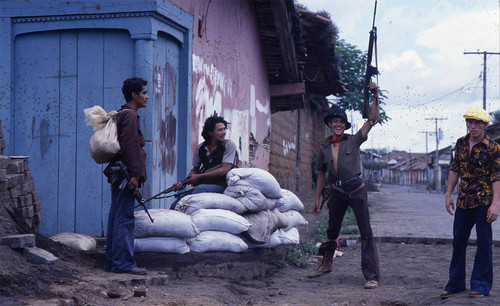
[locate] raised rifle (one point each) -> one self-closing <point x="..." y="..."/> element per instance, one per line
<point x="370" y="70"/>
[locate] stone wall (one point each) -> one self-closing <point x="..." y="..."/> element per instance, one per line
<point x="284" y="146"/>
<point x="17" y="188"/>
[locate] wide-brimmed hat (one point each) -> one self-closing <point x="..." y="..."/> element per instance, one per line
<point x="337" y="113"/>
<point x="477" y="113"/>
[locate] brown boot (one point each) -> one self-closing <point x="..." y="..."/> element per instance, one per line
<point x="326" y="265"/>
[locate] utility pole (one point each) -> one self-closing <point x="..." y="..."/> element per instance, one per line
<point x="426" y="154"/>
<point x="437" y="176"/>
<point x="484" y="53"/>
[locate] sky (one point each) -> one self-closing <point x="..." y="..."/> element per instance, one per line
<point x="420" y="53"/>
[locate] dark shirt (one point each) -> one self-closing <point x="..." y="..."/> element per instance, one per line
<point x="477" y="170"/>
<point x="349" y="160"/>
<point x="204" y="160"/>
<point x="131" y="142"/>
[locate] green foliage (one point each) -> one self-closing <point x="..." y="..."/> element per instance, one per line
<point x="352" y="66"/>
<point x="374" y="165"/>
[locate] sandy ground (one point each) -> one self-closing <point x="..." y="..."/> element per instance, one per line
<point x="413" y="274"/>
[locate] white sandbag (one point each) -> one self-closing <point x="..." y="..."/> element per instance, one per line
<point x="251" y="197"/>
<point x="264" y="223"/>
<point x="256" y="178"/>
<point x="175" y="245"/>
<point x="219" y="220"/>
<point x="167" y="223"/>
<point x="294" y="219"/>
<point x="289" y="201"/>
<point x="214" y="241"/>
<point x="76" y="241"/>
<point x="279" y="237"/>
<point x="103" y="145"/>
<point x="191" y="203"/>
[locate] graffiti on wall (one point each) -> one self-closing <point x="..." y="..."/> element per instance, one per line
<point x="288" y="146"/>
<point x="165" y="78"/>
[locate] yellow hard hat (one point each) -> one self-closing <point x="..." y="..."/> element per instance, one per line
<point x="477" y="113"/>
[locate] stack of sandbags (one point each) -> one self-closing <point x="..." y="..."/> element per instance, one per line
<point x="219" y="221"/>
<point x="272" y="211"/>
<point x="167" y="234"/>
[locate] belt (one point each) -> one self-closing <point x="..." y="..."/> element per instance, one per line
<point x="340" y="182"/>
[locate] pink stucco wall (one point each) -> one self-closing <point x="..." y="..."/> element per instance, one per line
<point x="229" y="76"/>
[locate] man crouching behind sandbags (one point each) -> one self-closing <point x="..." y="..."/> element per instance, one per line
<point x="212" y="159"/>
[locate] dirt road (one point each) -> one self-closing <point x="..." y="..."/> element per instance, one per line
<point x="413" y="274"/>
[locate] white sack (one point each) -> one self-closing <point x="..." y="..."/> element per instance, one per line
<point x="256" y="178"/>
<point x="289" y="201"/>
<point x="294" y="219"/>
<point x="280" y="237"/>
<point x="175" y="245"/>
<point x="219" y="220"/>
<point x="251" y="197"/>
<point x="264" y="223"/>
<point x="76" y="241"/>
<point x="191" y="203"/>
<point x="103" y="145"/>
<point x="214" y="241"/>
<point x="167" y="223"/>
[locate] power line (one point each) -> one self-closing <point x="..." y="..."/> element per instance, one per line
<point x="484" y="53"/>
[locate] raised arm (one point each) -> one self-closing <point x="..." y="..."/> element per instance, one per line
<point x="375" y="111"/>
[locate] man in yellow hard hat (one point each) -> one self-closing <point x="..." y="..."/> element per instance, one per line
<point x="477" y="162"/>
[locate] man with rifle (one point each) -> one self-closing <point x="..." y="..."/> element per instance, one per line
<point x="212" y="159"/>
<point x="339" y="157"/>
<point x="126" y="173"/>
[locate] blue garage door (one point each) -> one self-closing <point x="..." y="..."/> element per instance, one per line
<point x="57" y="75"/>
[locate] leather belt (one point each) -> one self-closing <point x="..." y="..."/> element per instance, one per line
<point x="339" y="183"/>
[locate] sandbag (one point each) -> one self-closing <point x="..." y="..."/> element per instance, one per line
<point x="175" y="245"/>
<point x="251" y="197"/>
<point x="264" y="223"/>
<point x="289" y="201"/>
<point x="76" y="241"/>
<point x="191" y="203"/>
<point x="294" y="219"/>
<point x="279" y="237"/>
<point x="167" y="223"/>
<point x="256" y="178"/>
<point x="103" y="145"/>
<point x="219" y="220"/>
<point x="214" y="241"/>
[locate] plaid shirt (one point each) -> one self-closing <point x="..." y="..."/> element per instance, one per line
<point x="477" y="170"/>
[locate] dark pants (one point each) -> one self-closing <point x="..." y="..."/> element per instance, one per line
<point x="120" y="232"/>
<point x="337" y="206"/>
<point x="482" y="273"/>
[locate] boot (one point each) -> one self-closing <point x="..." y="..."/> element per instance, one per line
<point x="326" y="265"/>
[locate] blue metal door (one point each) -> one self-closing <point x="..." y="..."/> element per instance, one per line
<point x="57" y="75"/>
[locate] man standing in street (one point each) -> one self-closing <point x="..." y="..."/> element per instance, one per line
<point x="476" y="162"/>
<point x="339" y="157"/>
<point x="121" y="221"/>
<point x="212" y="159"/>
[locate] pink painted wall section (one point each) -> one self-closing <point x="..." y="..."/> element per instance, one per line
<point x="229" y="76"/>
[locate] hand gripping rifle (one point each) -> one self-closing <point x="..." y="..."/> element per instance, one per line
<point x="120" y="169"/>
<point x="370" y="70"/>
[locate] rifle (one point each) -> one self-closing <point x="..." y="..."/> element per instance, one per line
<point x="370" y="70"/>
<point x="120" y="169"/>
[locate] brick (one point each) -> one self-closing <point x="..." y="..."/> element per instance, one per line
<point x="28" y="174"/>
<point x="4" y="161"/>
<point x="24" y="201"/>
<point x="4" y="197"/>
<point x="15" y="179"/>
<point x="3" y="174"/>
<point x="28" y="212"/>
<point x="28" y="186"/>
<point x="39" y="256"/>
<point x="15" y="192"/>
<point x="4" y="184"/>
<point x="37" y="217"/>
<point x="37" y="206"/>
<point x="35" y="196"/>
<point x="19" y="241"/>
<point x="15" y="166"/>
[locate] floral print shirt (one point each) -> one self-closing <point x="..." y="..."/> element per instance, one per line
<point x="477" y="170"/>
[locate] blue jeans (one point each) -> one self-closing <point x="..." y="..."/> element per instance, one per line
<point x="200" y="189"/>
<point x="482" y="273"/>
<point x="120" y="231"/>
